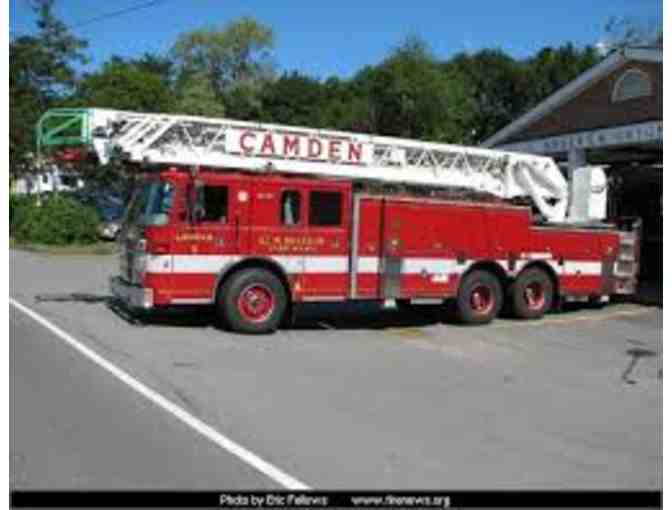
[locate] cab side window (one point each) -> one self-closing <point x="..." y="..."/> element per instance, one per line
<point x="290" y="208"/>
<point x="215" y="200"/>
<point x="326" y="208"/>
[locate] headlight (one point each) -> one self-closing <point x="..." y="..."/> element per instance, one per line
<point x="109" y="230"/>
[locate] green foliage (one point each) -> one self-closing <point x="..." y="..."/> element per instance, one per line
<point x="234" y="59"/>
<point x="158" y="65"/>
<point x="551" y="68"/>
<point x="19" y="205"/>
<point x="56" y="220"/>
<point x="41" y="73"/>
<point x="293" y="99"/>
<point x="496" y="86"/>
<point x="44" y="61"/>
<point x="125" y="85"/>
<point x="197" y="97"/>
<point x="410" y="96"/>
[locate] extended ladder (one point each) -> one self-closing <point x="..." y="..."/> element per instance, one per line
<point x="229" y="144"/>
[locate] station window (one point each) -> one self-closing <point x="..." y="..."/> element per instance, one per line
<point x="290" y="208"/>
<point x="325" y="208"/>
<point x="215" y="200"/>
<point x="631" y="85"/>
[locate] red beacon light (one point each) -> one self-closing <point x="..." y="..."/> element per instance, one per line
<point x="70" y="154"/>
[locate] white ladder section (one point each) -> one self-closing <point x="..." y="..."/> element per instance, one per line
<point x="230" y="144"/>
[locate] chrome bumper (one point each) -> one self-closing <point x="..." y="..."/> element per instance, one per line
<point x="131" y="295"/>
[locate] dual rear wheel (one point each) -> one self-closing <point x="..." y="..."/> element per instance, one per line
<point x="531" y="294"/>
<point x="481" y="296"/>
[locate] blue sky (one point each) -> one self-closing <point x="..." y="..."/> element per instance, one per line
<point x="339" y="37"/>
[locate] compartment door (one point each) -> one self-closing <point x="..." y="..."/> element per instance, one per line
<point x="365" y="256"/>
<point x="391" y="251"/>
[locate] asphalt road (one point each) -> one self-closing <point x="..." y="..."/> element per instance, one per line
<point x="350" y="398"/>
<point x="75" y="426"/>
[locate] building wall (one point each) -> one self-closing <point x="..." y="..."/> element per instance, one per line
<point x="594" y="109"/>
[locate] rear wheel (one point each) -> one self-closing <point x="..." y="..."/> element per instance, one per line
<point x="532" y="294"/>
<point x="479" y="299"/>
<point x="404" y="305"/>
<point x="252" y="301"/>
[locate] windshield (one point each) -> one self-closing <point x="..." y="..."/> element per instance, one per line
<point x="151" y="204"/>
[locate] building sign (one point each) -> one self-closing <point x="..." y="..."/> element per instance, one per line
<point x="301" y="146"/>
<point x="646" y="132"/>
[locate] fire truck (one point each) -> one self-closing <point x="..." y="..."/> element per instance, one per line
<point x="256" y="218"/>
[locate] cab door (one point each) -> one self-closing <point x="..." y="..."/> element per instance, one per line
<point x="278" y="223"/>
<point x="222" y="226"/>
<point x="216" y="237"/>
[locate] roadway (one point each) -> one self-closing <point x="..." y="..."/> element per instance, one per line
<point x="350" y="398"/>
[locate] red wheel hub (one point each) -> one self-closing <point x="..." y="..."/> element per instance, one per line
<point x="482" y="299"/>
<point x="535" y="297"/>
<point x="256" y="302"/>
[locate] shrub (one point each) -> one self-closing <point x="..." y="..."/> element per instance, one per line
<point x="18" y="206"/>
<point x="57" y="220"/>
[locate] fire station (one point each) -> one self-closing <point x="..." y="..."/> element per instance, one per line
<point x="610" y="115"/>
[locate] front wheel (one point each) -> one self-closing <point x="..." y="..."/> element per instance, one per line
<point x="532" y="294"/>
<point x="252" y="301"/>
<point x="479" y="299"/>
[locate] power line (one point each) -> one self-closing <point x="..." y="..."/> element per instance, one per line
<point x="113" y="14"/>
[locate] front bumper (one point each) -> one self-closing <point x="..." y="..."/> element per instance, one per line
<point x="132" y="296"/>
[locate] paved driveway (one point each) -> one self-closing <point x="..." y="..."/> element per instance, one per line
<point x="352" y="397"/>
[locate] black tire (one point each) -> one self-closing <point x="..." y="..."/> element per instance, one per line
<point x="596" y="303"/>
<point x="532" y="294"/>
<point x="252" y="301"/>
<point x="405" y="305"/>
<point x="479" y="299"/>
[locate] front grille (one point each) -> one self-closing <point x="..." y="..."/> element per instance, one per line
<point x="625" y="268"/>
<point x="129" y="267"/>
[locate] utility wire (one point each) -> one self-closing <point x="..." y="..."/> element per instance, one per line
<point x="113" y="14"/>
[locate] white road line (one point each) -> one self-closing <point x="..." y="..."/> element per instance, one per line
<point x="199" y="426"/>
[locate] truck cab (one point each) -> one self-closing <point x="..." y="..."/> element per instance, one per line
<point x="184" y="239"/>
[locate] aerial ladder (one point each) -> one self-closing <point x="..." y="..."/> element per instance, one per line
<point x="190" y="141"/>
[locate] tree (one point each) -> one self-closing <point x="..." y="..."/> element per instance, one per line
<point x="196" y="96"/>
<point x="620" y="32"/>
<point x="552" y="68"/>
<point x="235" y="59"/>
<point x="159" y="65"/>
<point x="125" y="85"/>
<point x="41" y="73"/>
<point x="496" y="86"/>
<point x="44" y="61"/>
<point x="345" y="106"/>
<point x="293" y="99"/>
<point x="410" y="95"/>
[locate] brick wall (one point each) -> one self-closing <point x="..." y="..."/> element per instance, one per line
<point x="593" y="108"/>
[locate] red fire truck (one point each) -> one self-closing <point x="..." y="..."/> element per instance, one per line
<point x="254" y="218"/>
